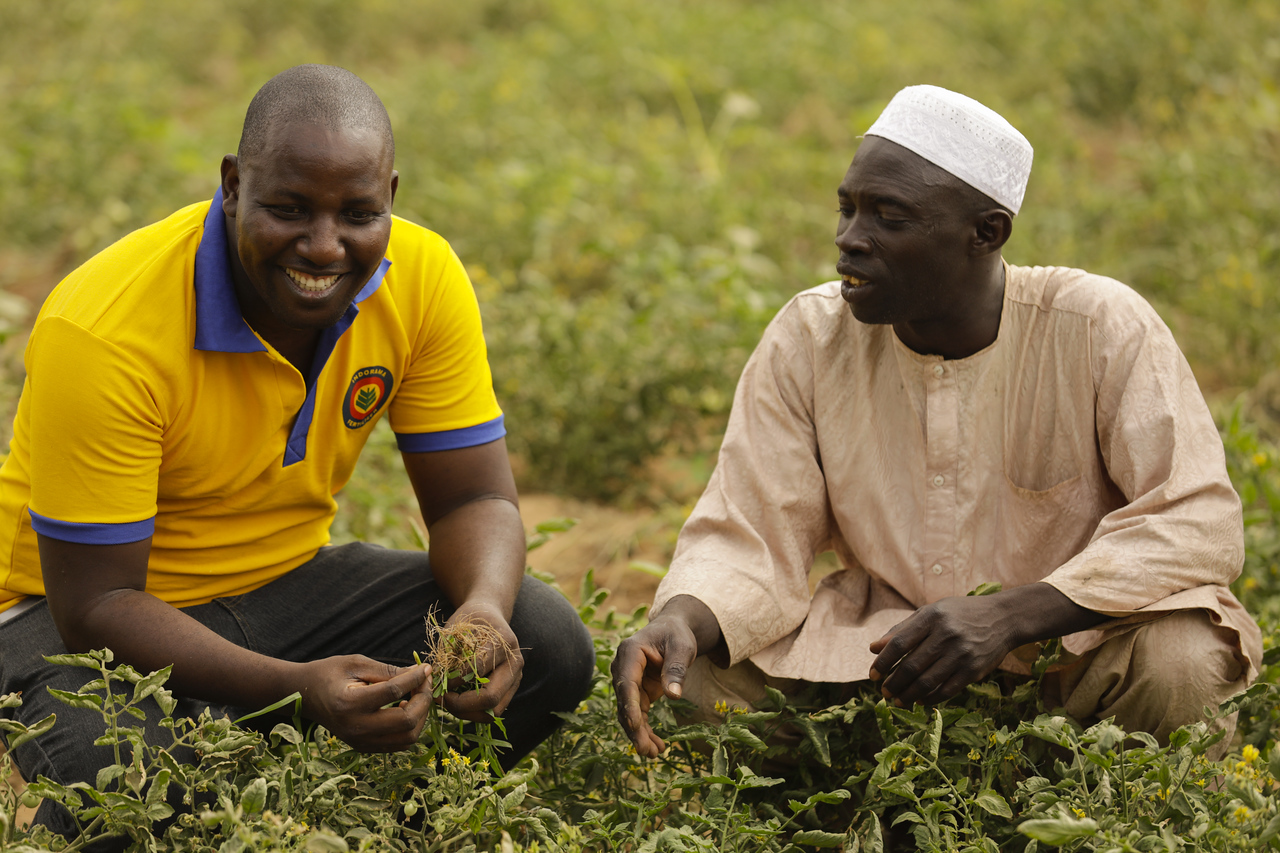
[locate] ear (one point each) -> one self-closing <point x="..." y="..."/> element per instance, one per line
<point x="230" y="184"/>
<point x="395" y="183"/>
<point x="991" y="231"/>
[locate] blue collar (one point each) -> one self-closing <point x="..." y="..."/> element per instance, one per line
<point x="220" y="327"/>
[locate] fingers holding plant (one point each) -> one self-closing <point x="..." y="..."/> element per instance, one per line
<point x="477" y="661"/>
<point x="373" y="706"/>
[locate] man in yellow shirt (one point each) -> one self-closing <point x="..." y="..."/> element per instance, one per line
<point x="195" y="396"/>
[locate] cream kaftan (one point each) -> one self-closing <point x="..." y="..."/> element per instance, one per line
<point x="1076" y="450"/>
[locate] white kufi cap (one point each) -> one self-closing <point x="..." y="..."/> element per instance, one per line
<point x="957" y="133"/>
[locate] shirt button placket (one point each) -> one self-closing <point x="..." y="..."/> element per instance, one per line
<point x="942" y="445"/>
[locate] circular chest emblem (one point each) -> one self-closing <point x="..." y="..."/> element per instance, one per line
<point x="369" y="389"/>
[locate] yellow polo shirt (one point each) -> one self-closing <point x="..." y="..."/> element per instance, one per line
<point x="151" y="408"/>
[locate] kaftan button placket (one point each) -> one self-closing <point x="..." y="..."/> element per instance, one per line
<point x="938" y="480"/>
<point x="938" y="370"/>
<point x="937" y="569"/>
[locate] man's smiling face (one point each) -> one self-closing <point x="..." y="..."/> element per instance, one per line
<point x="311" y="216"/>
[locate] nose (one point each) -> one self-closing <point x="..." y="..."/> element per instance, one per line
<point x="852" y="237"/>
<point x="322" y="243"/>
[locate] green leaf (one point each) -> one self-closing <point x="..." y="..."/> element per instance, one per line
<point x="818" y="838"/>
<point x="986" y="690"/>
<point x="26" y="733"/>
<point x="158" y="811"/>
<point x="91" y="660"/>
<point x="828" y="797"/>
<point x="294" y="698"/>
<point x="151" y="683"/>
<point x="254" y="797"/>
<point x="986" y="588"/>
<point x="326" y="842"/>
<point x="774" y="698"/>
<point x="748" y="779"/>
<point x="818" y="736"/>
<point x="107" y="775"/>
<point x="556" y="525"/>
<point x="935" y="735"/>
<point x="516" y="797"/>
<point x="992" y="803"/>
<point x="648" y="568"/>
<point x="743" y="735"/>
<point x="92" y="701"/>
<point x="1269" y="831"/>
<point x="1058" y="830"/>
<point x="166" y="701"/>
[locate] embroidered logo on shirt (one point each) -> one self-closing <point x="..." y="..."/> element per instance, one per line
<point x="369" y="389"/>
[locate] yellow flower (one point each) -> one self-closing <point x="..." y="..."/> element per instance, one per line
<point x="1249" y="753"/>
<point x="1259" y="459"/>
<point x="1078" y="812"/>
<point x="738" y="710"/>
<point x="722" y="707"/>
<point x="1243" y="813"/>
<point x="974" y="755"/>
<point x="1251" y="583"/>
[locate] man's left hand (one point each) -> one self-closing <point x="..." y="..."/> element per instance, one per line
<point x="945" y="646"/>
<point x="498" y="660"/>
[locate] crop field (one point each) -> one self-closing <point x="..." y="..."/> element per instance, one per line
<point x="635" y="188"/>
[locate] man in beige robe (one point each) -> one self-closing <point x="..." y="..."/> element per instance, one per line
<point x="941" y="419"/>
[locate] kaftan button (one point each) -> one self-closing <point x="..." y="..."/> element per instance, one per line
<point x="937" y="570"/>
<point x="939" y="480"/>
<point x="938" y="370"/>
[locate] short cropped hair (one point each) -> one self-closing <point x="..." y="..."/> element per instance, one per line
<point x="317" y="94"/>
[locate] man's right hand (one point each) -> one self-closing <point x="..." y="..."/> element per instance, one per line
<point x="374" y="707"/>
<point x="653" y="662"/>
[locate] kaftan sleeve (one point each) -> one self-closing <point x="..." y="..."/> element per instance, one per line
<point x="1179" y="540"/>
<point x="747" y="548"/>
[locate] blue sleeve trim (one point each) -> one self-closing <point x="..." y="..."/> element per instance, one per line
<point x="451" y="439"/>
<point x="92" y="534"/>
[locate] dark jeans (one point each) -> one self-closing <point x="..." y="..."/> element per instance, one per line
<point x="348" y="599"/>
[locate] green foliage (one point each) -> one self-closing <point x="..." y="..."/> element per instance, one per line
<point x="988" y="771"/>
<point x="636" y="188"/>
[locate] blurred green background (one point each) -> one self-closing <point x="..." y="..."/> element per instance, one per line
<point x="636" y="187"/>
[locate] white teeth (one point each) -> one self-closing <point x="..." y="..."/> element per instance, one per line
<point x="311" y="283"/>
<point x="856" y="282"/>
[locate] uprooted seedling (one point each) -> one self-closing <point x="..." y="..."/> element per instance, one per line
<point x="461" y="654"/>
<point x="458" y="652"/>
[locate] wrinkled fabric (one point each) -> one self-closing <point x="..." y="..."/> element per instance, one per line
<point x="1075" y="450"/>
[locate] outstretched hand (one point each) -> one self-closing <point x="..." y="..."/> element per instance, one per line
<point x="373" y="706"/>
<point x="650" y="663"/>
<point x="654" y="661"/>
